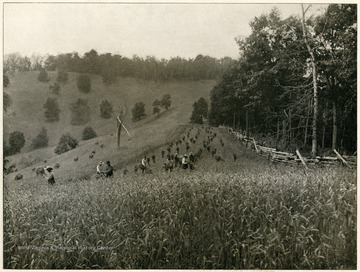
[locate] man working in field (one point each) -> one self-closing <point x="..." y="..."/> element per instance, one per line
<point x="49" y="174"/>
<point x="104" y="170"/>
<point x="109" y="170"/>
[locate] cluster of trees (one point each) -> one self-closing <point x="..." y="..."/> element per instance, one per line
<point x="111" y="66"/>
<point x="66" y="142"/>
<point x="295" y="79"/>
<point x="165" y="103"/>
<point x="138" y="111"/>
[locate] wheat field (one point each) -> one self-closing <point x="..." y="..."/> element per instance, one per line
<point x="247" y="214"/>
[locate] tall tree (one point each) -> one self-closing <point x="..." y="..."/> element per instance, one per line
<point x="52" y="110"/>
<point x="80" y="112"/>
<point x="138" y="111"/>
<point x="314" y="82"/>
<point x="16" y="142"/>
<point x="166" y="101"/>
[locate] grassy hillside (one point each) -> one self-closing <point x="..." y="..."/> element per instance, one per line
<point x="243" y="214"/>
<point x="28" y="96"/>
<point x="26" y="114"/>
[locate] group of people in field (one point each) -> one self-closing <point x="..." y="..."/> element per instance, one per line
<point x="104" y="170"/>
<point x="176" y="160"/>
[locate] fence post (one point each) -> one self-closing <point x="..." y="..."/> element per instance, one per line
<point x="341" y="158"/>
<point x="301" y="158"/>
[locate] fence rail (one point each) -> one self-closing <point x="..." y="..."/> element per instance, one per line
<point x="289" y="158"/>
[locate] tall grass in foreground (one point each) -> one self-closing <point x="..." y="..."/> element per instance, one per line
<point x="263" y="219"/>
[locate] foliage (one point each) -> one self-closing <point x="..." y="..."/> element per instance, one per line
<point x="66" y="143"/>
<point x="166" y="101"/>
<point x="80" y="112"/>
<point x="43" y="75"/>
<point x="55" y="88"/>
<point x="270" y="86"/>
<point x="52" y="110"/>
<point x="15" y="62"/>
<point x="156" y="110"/>
<point x="6" y="80"/>
<point x="200" y="111"/>
<point x="336" y="44"/>
<point x="196" y="118"/>
<point x="84" y="83"/>
<point x="16" y="142"/>
<point x="88" y="133"/>
<point x="41" y="139"/>
<point x="156" y="103"/>
<point x="106" y="109"/>
<point x="138" y="111"/>
<point x="108" y="71"/>
<point x="62" y="76"/>
<point x="109" y="66"/>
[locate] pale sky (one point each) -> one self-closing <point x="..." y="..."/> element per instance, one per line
<point x="160" y="30"/>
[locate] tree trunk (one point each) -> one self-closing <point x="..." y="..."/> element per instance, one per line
<point x="312" y="59"/>
<point x="307" y="123"/>
<point x="334" y="134"/>
<point x="247" y="122"/>
<point x="284" y="136"/>
<point x="324" y="125"/>
<point x="277" y="131"/>
<point x="234" y="120"/>
<point x="290" y="128"/>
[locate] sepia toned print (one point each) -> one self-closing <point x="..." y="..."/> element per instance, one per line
<point x="179" y="136"/>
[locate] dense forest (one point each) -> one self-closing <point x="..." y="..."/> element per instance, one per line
<point x="111" y="66"/>
<point x="295" y="80"/>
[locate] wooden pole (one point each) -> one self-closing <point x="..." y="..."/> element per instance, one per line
<point x="119" y="126"/>
<point x="341" y="158"/>
<point x="301" y="158"/>
<point x="257" y="150"/>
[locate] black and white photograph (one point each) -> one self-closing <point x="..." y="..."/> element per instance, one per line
<point x="171" y="135"/>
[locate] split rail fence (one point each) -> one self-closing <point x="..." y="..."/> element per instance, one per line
<point x="290" y="158"/>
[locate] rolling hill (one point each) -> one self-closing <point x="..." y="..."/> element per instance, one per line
<point x="26" y="115"/>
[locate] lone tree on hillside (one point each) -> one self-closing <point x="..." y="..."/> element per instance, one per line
<point x="43" y="76"/>
<point x="156" y="103"/>
<point x="52" y="110"/>
<point x="80" y="112"/>
<point x="55" y="88"/>
<point x="65" y="144"/>
<point x="62" y="76"/>
<point x="106" y="109"/>
<point x="41" y="139"/>
<point x="84" y="83"/>
<point x="166" y="101"/>
<point x="6" y="80"/>
<point x="16" y="142"/>
<point x="156" y="110"/>
<point x="200" y="111"/>
<point x="6" y="101"/>
<point x="203" y="107"/>
<point x="88" y="133"/>
<point x="138" y="111"/>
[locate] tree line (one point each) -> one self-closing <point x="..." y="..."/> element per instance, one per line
<point x="110" y="66"/>
<point x="295" y="80"/>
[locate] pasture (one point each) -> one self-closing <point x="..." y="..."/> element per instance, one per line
<point x="243" y="214"/>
